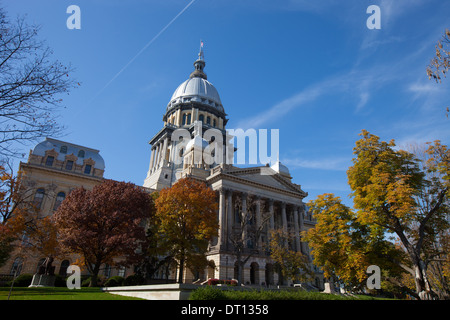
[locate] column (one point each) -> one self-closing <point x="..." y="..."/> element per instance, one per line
<point x="301" y="215"/>
<point x="222" y="217"/>
<point x="152" y="157"/>
<point x="229" y="215"/>
<point x="258" y="221"/>
<point x="244" y="216"/>
<point x="157" y="154"/>
<point x="271" y="220"/>
<point x="283" y="216"/>
<point x="164" y="151"/>
<point x="296" y="230"/>
<point x="284" y="220"/>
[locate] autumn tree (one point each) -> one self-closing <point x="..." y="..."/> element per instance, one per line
<point x="187" y="217"/>
<point x="105" y="225"/>
<point x="393" y="191"/>
<point x="31" y="84"/>
<point x="440" y="64"/>
<point x="293" y="264"/>
<point x="17" y="210"/>
<point x="343" y="247"/>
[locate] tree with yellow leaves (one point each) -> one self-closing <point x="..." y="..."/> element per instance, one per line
<point x="293" y="264"/>
<point x="393" y="191"/>
<point x="187" y="217"/>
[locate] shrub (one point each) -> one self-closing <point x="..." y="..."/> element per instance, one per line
<point x="87" y="281"/>
<point x="60" y="281"/>
<point x="24" y="280"/>
<point x="114" y="281"/>
<point x="214" y="282"/>
<point x="207" y="293"/>
<point x="134" y="280"/>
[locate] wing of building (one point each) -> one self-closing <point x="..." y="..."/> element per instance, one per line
<point x="54" y="168"/>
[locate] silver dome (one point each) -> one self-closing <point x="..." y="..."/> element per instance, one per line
<point x="199" y="90"/>
<point x="49" y="144"/>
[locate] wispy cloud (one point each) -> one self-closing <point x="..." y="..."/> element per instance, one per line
<point x="335" y="163"/>
<point x="356" y="85"/>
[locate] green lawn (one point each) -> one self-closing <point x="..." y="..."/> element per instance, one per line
<point x="59" y="294"/>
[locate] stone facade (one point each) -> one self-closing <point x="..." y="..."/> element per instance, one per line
<point x="265" y="194"/>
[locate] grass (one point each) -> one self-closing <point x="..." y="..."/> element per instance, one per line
<point x="213" y="293"/>
<point x="59" y="293"/>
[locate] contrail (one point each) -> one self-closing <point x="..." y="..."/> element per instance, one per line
<point x="143" y="49"/>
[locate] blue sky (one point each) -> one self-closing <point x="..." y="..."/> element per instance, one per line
<point x="309" y="68"/>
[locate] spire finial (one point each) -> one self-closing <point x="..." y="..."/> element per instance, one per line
<point x="199" y="64"/>
<point x="201" y="56"/>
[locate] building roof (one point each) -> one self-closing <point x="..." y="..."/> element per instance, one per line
<point x="197" y="89"/>
<point x="50" y="143"/>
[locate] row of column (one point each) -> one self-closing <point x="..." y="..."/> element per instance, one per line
<point x="227" y="210"/>
<point x="158" y="155"/>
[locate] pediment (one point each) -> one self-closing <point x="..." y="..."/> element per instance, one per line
<point x="265" y="177"/>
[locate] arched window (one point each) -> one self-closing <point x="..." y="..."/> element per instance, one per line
<point x="121" y="272"/>
<point x="201" y="118"/>
<point x="81" y="154"/>
<point x="38" y="197"/>
<point x="63" y="268"/>
<point x="189" y="118"/>
<point x="184" y="119"/>
<point x="63" y="149"/>
<point x="208" y="120"/>
<point x="17" y="266"/>
<point x="59" y="199"/>
<point x="214" y="123"/>
<point x="40" y="264"/>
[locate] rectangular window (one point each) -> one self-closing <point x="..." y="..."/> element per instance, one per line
<point x="69" y="165"/>
<point x="49" y="161"/>
<point x="87" y="169"/>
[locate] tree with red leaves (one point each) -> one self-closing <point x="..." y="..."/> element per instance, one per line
<point x="104" y="224"/>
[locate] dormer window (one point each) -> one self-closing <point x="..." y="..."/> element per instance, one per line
<point x="63" y="149"/>
<point x="49" y="161"/>
<point x="81" y="154"/>
<point x="69" y="165"/>
<point x="87" y="169"/>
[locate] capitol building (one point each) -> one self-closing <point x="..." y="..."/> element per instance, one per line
<point x="265" y="195"/>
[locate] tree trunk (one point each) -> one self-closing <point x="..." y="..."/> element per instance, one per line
<point x="181" y="270"/>
<point x="94" y="276"/>
<point x="423" y="287"/>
